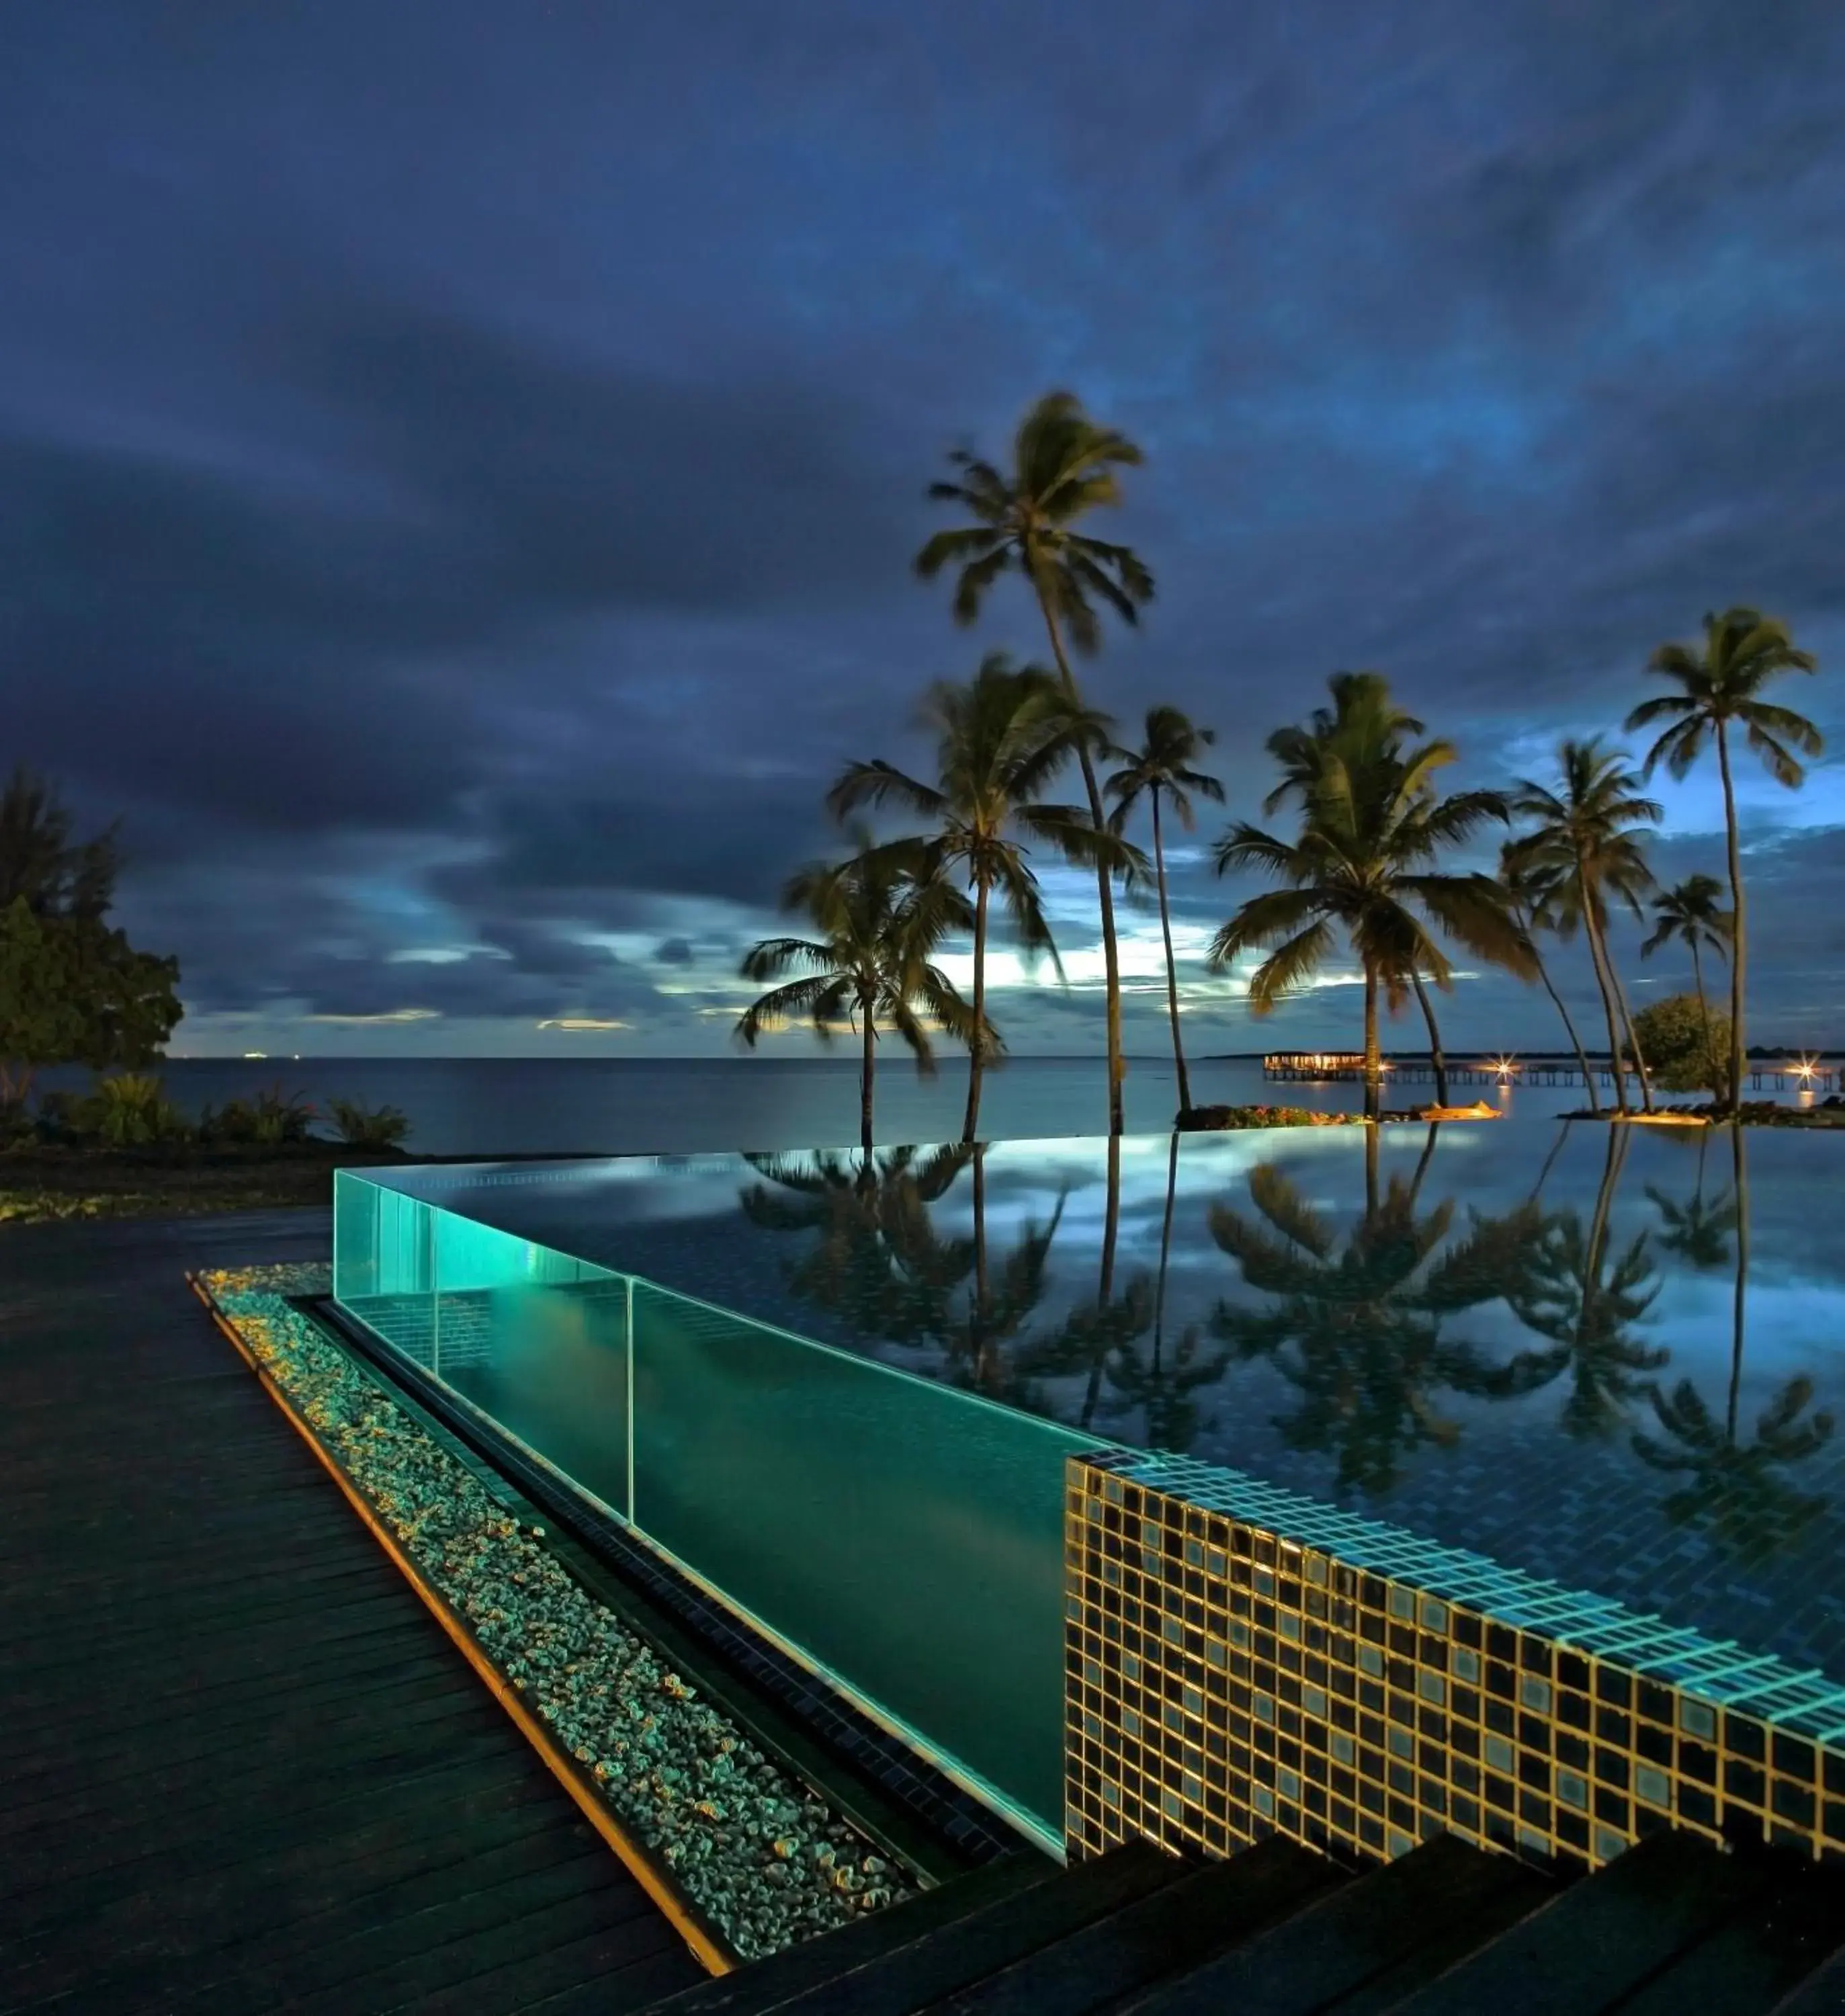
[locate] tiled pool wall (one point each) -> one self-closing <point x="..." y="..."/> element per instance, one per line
<point x="1241" y="1660"/>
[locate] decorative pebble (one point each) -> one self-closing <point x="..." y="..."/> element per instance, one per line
<point x="766" y="1859"/>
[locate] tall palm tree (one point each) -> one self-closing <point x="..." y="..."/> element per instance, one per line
<point x="1720" y="685"/>
<point x="1366" y="724"/>
<point x="878" y="917"/>
<point x="1063" y="467"/>
<point x="1688" y="913"/>
<point x="1529" y="892"/>
<point x="1373" y="826"/>
<point x="1163" y="766"/>
<point x="1585" y="845"/>
<point x="1000" y="737"/>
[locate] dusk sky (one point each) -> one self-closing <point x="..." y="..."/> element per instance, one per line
<point x="460" y="464"/>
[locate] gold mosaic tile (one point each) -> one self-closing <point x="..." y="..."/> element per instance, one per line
<point x="1228" y="1678"/>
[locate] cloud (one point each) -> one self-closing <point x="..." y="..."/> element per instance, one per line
<point x="450" y="540"/>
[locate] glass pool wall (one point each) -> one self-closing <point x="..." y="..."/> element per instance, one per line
<point x="903" y="1539"/>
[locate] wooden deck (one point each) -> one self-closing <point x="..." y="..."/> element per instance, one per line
<point x="241" y="1767"/>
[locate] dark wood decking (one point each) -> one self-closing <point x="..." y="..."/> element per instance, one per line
<point x="241" y="1767"/>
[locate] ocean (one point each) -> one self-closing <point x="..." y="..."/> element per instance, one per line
<point x="532" y="1106"/>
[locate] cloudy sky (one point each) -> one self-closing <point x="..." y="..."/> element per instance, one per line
<point x="460" y="463"/>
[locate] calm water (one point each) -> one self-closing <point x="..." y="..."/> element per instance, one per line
<point x="1591" y="1353"/>
<point x="466" y="1106"/>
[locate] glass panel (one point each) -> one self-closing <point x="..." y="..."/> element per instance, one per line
<point x="537" y="1340"/>
<point x="906" y="1537"/>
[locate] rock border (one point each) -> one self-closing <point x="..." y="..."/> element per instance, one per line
<point x="754" y="1851"/>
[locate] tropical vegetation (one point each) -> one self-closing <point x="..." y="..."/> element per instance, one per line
<point x="1163" y="768"/>
<point x="1000" y="739"/>
<point x="1025" y="520"/>
<point x="877" y="919"/>
<point x="1363" y="865"/>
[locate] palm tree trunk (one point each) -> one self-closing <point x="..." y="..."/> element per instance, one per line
<point x="1435" y="1056"/>
<point x="1738" y="948"/>
<point x="1165" y="1248"/>
<point x="1588" y="1077"/>
<point x="1179" y="1049"/>
<point x="1626" y="1020"/>
<point x="1372" y="1133"/>
<point x="1703" y="1006"/>
<point x="976" y="1051"/>
<point x="1597" y="958"/>
<point x="865" y="1078"/>
<point x="1111" y="960"/>
<point x="1373" y="1058"/>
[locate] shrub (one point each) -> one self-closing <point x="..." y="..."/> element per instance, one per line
<point x="131" y="1110"/>
<point x="271" y="1119"/>
<point x="1672" y="1037"/>
<point x="1230" y="1119"/>
<point x="368" y="1126"/>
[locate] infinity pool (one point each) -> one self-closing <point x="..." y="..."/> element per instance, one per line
<point x="1608" y="1356"/>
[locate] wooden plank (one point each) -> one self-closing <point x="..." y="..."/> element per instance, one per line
<point x="930" y="1969"/>
<point x="1152" y="1938"/>
<point x="241" y="1758"/>
<point x="1602" y="1937"/>
<point x="1330" y="1950"/>
<point x="764" y="1982"/>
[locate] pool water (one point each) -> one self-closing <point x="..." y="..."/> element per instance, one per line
<point x="1610" y="1356"/>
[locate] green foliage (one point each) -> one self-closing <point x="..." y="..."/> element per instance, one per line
<point x="1373" y="826"/>
<point x="132" y="1111"/>
<point x="368" y="1126"/>
<point x="1687" y="1047"/>
<point x="1231" y="1119"/>
<point x="272" y="1119"/>
<point x="40" y="864"/>
<point x="73" y="992"/>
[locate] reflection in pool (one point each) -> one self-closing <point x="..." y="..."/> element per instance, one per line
<point x="1608" y="1356"/>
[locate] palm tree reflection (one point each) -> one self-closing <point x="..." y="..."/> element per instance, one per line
<point x="875" y="1261"/>
<point x="1358" y="1329"/>
<point x="1586" y="1304"/>
<point x="1732" y="1488"/>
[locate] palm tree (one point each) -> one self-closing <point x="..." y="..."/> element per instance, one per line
<point x="1063" y="467"/>
<point x="1528" y="893"/>
<point x="1373" y="827"/>
<point x="1586" y="848"/>
<point x="1688" y="913"/>
<point x="1719" y="685"/>
<point x="878" y="917"/>
<point x="1366" y="721"/>
<point x="1001" y="738"/>
<point x="1163" y="764"/>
